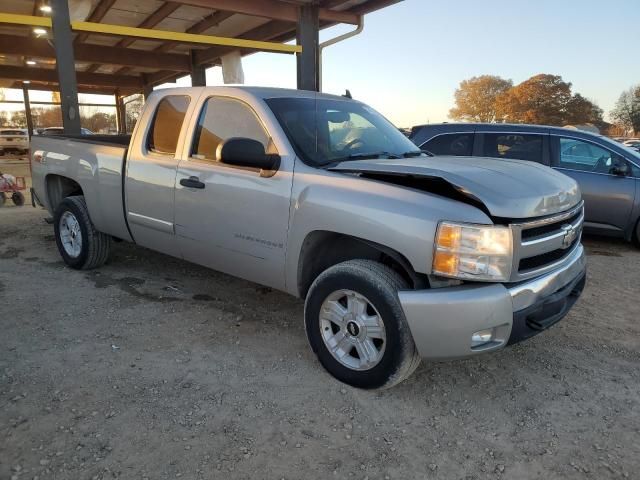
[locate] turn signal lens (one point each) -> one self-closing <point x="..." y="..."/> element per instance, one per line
<point x="449" y="236"/>
<point x="473" y="252"/>
<point x="445" y="262"/>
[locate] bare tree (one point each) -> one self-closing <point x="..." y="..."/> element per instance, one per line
<point x="627" y="109"/>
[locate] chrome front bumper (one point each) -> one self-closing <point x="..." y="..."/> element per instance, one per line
<point x="443" y="320"/>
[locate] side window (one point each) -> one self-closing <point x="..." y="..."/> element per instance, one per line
<point x="516" y="146"/>
<point x="457" y="144"/>
<point x="223" y="118"/>
<point x="585" y="156"/>
<point x="166" y="125"/>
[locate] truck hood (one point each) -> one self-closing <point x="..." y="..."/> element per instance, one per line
<point x="514" y="189"/>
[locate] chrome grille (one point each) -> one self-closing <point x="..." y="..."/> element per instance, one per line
<point x="542" y="245"/>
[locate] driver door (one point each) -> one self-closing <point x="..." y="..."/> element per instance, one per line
<point x="608" y="197"/>
<point x="232" y="219"/>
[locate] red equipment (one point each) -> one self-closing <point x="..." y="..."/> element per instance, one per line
<point x="12" y="185"/>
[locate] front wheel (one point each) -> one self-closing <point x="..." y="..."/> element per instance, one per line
<point x="81" y="246"/>
<point x="356" y="325"/>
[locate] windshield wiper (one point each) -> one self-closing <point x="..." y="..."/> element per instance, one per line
<point x="362" y="156"/>
<point x="417" y="153"/>
<point x="368" y="155"/>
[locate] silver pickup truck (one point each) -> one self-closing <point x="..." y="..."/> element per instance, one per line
<point x="399" y="256"/>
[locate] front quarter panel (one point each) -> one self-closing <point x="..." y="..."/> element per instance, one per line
<point x="398" y="218"/>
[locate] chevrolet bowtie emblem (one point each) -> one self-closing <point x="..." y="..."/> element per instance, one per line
<point x="570" y="234"/>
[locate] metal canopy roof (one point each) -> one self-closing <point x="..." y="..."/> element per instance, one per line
<point x="119" y="60"/>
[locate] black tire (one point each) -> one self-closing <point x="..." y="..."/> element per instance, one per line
<point x="18" y="199"/>
<point x="380" y="285"/>
<point x="3" y="198"/>
<point x="636" y="235"/>
<point x="95" y="246"/>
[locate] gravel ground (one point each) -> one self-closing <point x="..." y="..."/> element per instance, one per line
<point x="155" y="368"/>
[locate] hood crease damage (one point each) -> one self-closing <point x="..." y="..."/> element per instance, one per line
<point x="501" y="188"/>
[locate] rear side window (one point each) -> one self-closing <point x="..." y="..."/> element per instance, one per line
<point x="457" y="144"/>
<point x="223" y="118"/>
<point x="13" y="132"/>
<point x="166" y="125"/>
<point x="508" y="145"/>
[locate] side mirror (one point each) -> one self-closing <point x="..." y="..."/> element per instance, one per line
<point x="621" y="170"/>
<point x="246" y="152"/>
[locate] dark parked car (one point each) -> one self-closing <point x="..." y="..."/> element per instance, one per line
<point x="608" y="172"/>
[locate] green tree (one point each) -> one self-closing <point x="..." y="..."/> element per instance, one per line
<point x="581" y="110"/>
<point x="99" y="121"/>
<point x="476" y="98"/>
<point x="627" y="109"/>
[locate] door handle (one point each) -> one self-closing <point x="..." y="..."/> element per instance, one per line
<point x="192" y="182"/>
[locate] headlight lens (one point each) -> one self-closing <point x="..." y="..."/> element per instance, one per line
<point x="473" y="252"/>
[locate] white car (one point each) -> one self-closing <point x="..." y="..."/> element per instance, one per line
<point x="14" y="140"/>
<point x="60" y="131"/>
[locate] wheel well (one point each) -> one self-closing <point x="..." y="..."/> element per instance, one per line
<point x="59" y="188"/>
<point x="321" y="250"/>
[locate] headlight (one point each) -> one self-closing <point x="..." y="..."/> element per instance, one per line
<point x="473" y="252"/>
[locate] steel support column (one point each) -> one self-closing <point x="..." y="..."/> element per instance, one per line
<point x="308" y="61"/>
<point x="120" y="114"/>
<point x="65" y="65"/>
<point x="147" y="89"/>
<point x="27" y="109"/>
<point x="198" y="74"/>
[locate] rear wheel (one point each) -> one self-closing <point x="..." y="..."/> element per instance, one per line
<point x="3" y="198"/>
<point x="81" y="246"/>
<point x="18" y="199"/>
<point x="356" y="325"/>
<point x="636" y="234"/>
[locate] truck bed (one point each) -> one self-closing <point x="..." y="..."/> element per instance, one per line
<point x="95" y="163"/>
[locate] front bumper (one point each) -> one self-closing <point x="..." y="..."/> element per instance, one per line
<point x="443" y="320"/>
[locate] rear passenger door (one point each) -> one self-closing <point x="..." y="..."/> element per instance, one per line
<point x="151" y="172"/>
<point x="237" y="220"/>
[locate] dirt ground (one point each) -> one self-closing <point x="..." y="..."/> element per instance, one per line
<point x="155" y="368"/>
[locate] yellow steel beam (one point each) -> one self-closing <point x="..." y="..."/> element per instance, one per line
<point x="152" y="34"/>
<point x="32" y="20"/>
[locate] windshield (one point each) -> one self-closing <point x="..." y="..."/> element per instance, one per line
<point x="325" y="131"/>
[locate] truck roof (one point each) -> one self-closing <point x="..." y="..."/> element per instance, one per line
<point x="259" y="92"/>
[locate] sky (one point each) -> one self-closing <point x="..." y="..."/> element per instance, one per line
<point x="411" y="56"/>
